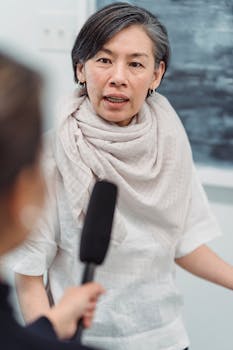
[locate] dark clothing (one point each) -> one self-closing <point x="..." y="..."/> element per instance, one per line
<point x="37" y="336"/>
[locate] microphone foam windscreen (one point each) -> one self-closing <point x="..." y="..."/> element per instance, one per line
<point x="97" y="227"/>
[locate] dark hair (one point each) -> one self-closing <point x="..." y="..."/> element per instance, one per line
<point x="20" y="119"/>
<point x="111" y="19"/>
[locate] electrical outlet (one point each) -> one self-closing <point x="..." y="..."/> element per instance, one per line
<point x="57" y="31"/>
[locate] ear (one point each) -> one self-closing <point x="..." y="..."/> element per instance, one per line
<point x="157" y="77"/>
<point x="80" y="72"/>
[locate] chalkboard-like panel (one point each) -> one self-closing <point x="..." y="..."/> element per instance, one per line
<point x="199" y="82"/>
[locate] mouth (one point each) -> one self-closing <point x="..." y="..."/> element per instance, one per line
<point x="116" y="99"/>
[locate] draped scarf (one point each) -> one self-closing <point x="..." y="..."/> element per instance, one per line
<point x="149" y="160"/>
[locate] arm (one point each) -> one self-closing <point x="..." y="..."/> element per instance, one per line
<point x="32" y="296"/>
<point x="76" y="303"/>
<point x="204" y="263"/>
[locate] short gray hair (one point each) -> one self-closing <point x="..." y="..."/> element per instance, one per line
<point x="111" y="19"/>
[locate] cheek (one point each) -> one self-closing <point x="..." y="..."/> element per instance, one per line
<point x="95" y="82"/>
<point x="90" y="78"/>
<point x="141" y="91"/>
<point x="91" y="87"/>
<point x="95" y="91"/>
<point x="143" y="84"/>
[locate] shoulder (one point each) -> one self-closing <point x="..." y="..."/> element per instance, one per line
<point x="162" y="104"/>
<point x="166" y="115"/>
<point x="68" y="105"/>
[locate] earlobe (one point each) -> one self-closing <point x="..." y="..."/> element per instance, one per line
<point x="80" y="72"/>
<point x="158" y="74"/>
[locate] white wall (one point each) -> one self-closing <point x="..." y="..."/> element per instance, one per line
<point x="23" y="26"/>
<point x="208" y="308"/>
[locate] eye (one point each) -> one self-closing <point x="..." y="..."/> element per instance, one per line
<point x="135" y="64"/>
<point x="104" y="60"/>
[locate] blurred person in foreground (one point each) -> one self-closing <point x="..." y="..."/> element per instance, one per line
<point x="117" y="127"/>
<point x="21" y="199"/>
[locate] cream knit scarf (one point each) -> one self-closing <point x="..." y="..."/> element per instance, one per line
<point x="149" y="160"/>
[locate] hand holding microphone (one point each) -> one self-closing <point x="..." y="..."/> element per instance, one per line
<point x="96" y="232"/>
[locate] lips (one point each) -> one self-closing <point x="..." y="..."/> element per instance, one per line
<point x="116" y="98"/>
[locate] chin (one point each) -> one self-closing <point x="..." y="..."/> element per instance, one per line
<point x="119" y="120"/>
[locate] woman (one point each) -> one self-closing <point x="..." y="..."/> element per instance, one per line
<point x="117" y="127"/>
<point x="21" y="197"/>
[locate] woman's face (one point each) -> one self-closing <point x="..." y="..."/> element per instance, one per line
<point x="119" y="75"/>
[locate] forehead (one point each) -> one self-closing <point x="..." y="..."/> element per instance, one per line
<point x="131" y="39"/>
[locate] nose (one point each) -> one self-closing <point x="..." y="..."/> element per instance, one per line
<point x="118" y="76"/>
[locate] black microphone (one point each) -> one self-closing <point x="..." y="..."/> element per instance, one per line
<point x="96" y="232"/>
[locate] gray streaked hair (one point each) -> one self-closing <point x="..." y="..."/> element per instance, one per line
<point x="110" y="20"/>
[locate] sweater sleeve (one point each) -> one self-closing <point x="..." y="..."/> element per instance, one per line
<point x="42" y="326"/>
<point x="43" y="332"/>
<point x="200" y="225"/>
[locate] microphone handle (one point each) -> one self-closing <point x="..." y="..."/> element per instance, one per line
<point x="88" y="276"/>
<point x="88" y="273"/>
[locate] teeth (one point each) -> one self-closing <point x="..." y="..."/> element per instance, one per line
<point x="116" y="99"/>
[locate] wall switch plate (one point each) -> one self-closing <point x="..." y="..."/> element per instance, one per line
<point x="57" y="31"/>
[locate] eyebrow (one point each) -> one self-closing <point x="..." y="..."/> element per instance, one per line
<point x="135" y="54"/>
